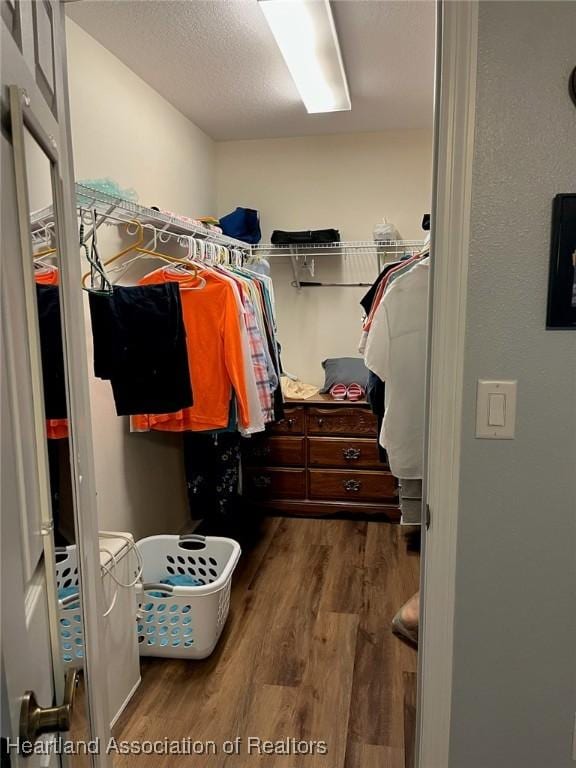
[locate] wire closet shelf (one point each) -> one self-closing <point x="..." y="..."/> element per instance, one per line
<point x="302" y="257"/>
<point x="118" y="209"/>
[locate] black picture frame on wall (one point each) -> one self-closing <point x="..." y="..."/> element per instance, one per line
<point x="562" y="282"/>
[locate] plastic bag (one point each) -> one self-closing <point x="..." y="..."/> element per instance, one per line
<point x="385" y="231"/>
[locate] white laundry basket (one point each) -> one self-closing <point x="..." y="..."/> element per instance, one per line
<point x="69" y="610"/>
<point x="184" y="622"/>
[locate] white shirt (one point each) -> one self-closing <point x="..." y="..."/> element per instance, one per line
<point x="396" y="352"/>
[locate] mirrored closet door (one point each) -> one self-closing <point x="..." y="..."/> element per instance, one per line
<point x="50" y="598"/>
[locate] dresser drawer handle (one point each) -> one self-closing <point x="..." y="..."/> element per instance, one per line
<point x="262" y="481"/>
<point x="352" y="486"/>
<point x="290" y="422"/>
<point x="353" y="454"/>
<point x="320" y="421"/>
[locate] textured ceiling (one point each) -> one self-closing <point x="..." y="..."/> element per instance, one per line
<point x="217" y="62"/>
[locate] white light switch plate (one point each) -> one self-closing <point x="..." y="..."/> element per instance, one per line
<point x="496" y="410"/>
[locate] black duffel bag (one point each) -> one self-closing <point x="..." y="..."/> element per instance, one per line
<point x="307" y="237"/>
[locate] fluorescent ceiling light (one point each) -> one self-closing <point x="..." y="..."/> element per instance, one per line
<point x="306" y="36"/>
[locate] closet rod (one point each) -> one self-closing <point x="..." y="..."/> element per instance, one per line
<point x="308" y="284"/>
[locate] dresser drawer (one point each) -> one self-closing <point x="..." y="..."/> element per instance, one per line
<point x="274" y="451"/>
<point x="341" y="421"/>
<point x="342" y="485"/>
<point x="291" y="424"/>
<point x="275" y="483"/>
<point x="344" y="452"/>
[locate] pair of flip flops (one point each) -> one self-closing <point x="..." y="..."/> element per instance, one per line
<point x="352" y="392"/>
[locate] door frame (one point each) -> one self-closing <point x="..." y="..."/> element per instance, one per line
<point x="55" y="138"/>
<point x="454" y="129"/>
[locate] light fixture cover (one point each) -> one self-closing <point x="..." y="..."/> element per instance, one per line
<point x="306" y="36"/>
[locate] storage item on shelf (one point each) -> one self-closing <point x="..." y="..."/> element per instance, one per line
<point x="242" y="224"/>
<point x="305" y="237"/>
<point x="385" y="231"/>
<point x="344" y="370"/>
<point x="111" y="188"/>
<point x="118" y="626"/>
<point x="321" y="460"/>
<point x="184" y="622"/>
<point x="294" y="388"/>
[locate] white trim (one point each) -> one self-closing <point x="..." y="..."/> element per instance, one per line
<point x="454" y="145"/>
<point x="125" y="703"/>
<point x="81" y="445"/>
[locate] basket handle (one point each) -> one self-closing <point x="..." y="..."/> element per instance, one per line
<point x="153" y="586"/>
<point x="69" y="599"/>
<point x="192" y="538"/>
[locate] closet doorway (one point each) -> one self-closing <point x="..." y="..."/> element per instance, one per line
<point x="307" y="669"/>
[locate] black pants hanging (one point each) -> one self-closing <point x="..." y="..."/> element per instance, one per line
<point x="55" y="469"/>
<point x="212" y="465"/>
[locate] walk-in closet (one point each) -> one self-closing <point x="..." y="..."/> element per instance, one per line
<point x="287" y="391"/>
<point x="233" y="259"/>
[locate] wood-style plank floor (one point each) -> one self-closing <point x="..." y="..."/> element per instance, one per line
<point x="307" y="654"/>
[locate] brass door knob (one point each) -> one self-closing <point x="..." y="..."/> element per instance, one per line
<point x="36" y="720"/>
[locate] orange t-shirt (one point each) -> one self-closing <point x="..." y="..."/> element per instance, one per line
<point x="212" y="322"/>
<point x="56" y="429"/>
<point x="46" y="276"/>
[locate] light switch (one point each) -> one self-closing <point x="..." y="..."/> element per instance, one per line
<point x="496" y="410"/>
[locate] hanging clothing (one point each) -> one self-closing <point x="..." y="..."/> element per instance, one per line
<point x="375" y="395"/>
<point x="56" y="429"/>
<point x="52" y="352"/>
<point x="258" y="314"/>
<point x="380" y="291"/>
<point x="212" y="467"/>
<point x="259" y="362"/>
<point x="367" y="301"/>
<point x="58" y="461"/>
<point x="396" y="352"/>
<point x="47" y="276"/>
<point x="215" y="355"/>
<point x="256" y="421"/>
<point x="140" y="345"/>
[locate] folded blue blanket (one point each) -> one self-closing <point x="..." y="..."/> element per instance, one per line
<point x="181" y="581"/>
<point x="66" y="592"/>
<point x="178" y="581"/>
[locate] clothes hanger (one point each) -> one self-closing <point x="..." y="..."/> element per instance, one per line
<point x="93" y="257"/>
<point x="179" y="264"/>
<point x="42" y="254"/>
<point x="47" y="251"/>
<point x="154" y="254"/>
<point x="42" y="270"/>
<point x="137" y="246"/>
<point x="189" y="240"/>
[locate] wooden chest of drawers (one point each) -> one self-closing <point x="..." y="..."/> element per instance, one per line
<point x="321" y="460"/>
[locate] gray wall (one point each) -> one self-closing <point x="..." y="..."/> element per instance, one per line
<point x="514" y="685"/>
